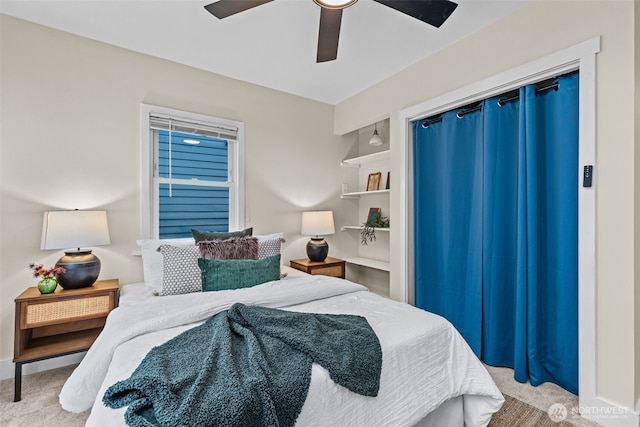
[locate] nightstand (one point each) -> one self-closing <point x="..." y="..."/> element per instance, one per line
<point x="64" y="322"/>
<point x="329" y="267"/>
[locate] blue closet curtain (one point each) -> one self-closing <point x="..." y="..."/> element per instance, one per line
<point x="448" y="222"/>
<point x="495" y="199"/>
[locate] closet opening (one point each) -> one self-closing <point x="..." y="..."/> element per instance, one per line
<point x="496" y="227"/>
<point x="580" y="57"/>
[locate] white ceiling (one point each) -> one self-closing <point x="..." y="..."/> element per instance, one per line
<point x="272" y="45"/>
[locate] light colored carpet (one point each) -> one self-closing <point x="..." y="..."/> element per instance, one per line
<point x="39" y="405"/>
<point x="541" y="397"/>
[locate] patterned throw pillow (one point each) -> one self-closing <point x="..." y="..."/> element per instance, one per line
<point x="180" y="271"/>
<point x="152" y="259"/>
<point x="218" y="274"/>
<point x="234" y="248"/>
<point x="270" y="247"/>
<point x="219" y="235"/>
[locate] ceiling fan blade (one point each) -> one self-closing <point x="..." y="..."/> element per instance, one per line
<point x="223" y="8"/>
<point x="328" y="34"/>
<point x="433" y="12"/>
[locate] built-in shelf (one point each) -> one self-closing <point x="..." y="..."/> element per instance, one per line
<point x="368" y="262"/>
<point x="368" y="158"/>
<point x="357" y="194"/>
<point x="369" y="257"/>
<point x="359" y="227"/>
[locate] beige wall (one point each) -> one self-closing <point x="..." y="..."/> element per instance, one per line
<point x="70" y="138"/>
<point x="540" y="28"/>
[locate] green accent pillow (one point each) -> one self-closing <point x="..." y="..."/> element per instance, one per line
<point x="223" y="274"/>
<point x="220" y="235"/>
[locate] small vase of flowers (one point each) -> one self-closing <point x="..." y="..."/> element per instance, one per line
<point x="48" y="281"/>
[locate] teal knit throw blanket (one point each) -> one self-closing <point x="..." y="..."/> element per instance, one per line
<point x="248" y="366"/>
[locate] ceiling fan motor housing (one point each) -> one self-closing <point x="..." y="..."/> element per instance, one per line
<point x="335" y="4"/>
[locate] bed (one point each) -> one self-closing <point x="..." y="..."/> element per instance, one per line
<point x="429" y="375"/>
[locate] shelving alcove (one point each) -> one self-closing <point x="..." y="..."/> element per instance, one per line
<point x="374" y="255"/>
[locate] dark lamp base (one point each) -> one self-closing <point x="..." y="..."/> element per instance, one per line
<point x="83" y="269"/>
<point x="317" y="249"/>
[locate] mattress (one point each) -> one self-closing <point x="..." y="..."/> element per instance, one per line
<point x="427" y="367"/>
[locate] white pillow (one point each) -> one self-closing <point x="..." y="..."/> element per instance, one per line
<point x="270" y="236"/>
<point x="152" y="259"/>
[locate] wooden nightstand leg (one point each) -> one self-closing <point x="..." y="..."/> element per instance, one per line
<point x="17" y="390"/>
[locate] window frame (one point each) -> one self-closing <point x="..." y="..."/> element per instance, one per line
<point x="149" y="206"/>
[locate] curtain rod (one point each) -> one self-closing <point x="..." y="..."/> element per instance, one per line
<point x="427" y="122"/>
<point x="504" y="100"/>
<point x="460" y="114"/>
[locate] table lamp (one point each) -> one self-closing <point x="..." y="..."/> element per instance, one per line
<point x="318" y="224"/>
<point x="76" y="229"/>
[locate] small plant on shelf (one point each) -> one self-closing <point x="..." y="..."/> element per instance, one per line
<point x="375" y="220"/>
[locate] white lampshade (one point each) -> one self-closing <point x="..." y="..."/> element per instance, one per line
<point x="317" y="223"/>
<point x="74" y="229"/>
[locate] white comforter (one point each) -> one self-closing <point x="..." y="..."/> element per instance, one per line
<point x="425" y="360"/>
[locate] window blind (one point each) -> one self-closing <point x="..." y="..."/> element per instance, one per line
<point x="178" y="124"/>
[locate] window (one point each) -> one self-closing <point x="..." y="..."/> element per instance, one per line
<point x="191" y="173"/>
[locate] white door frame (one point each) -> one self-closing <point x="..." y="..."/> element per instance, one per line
<point x="579" y="57"/>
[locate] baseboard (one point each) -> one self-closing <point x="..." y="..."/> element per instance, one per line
<point x="609" y="414"/>
<point x="7" y="368"/>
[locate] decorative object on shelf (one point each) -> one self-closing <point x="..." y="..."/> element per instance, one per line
<point x="374" y="220"/>
<point x="375" y="139"/>
<point x="318" y="224"/>
<point x="75" y="229"/>
<point x="48" y="282"/>
<point x="388" y="186"/>
<point x="374" y="213"/>
<point x="373" y="183"/>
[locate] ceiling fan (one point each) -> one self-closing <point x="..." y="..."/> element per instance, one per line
<point x="433" y="12"/>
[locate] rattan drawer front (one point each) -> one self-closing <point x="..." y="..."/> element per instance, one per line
<point x="57" y="311"/>
<point x="328" y="271"/>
